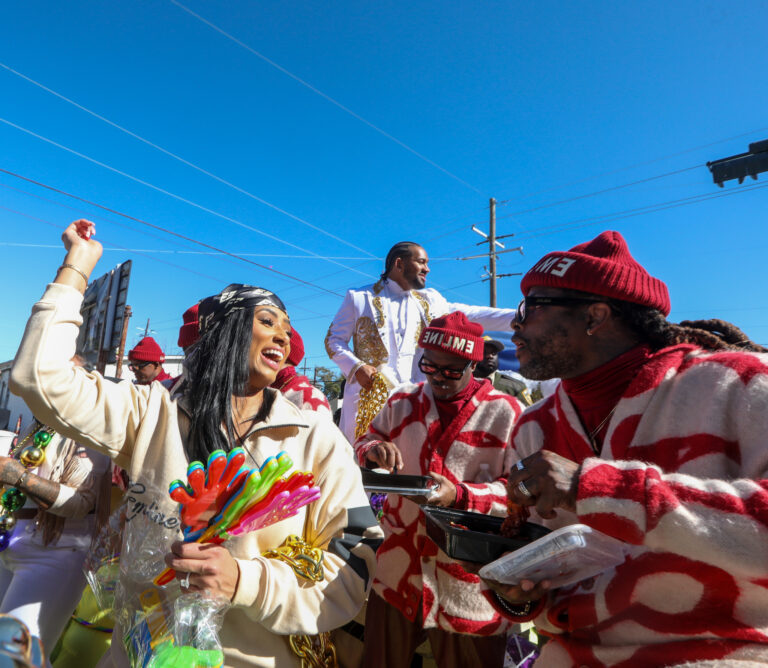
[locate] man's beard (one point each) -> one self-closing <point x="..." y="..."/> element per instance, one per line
<point x="550" y="357"/>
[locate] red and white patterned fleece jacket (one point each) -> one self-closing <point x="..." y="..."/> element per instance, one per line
<point x="682" y="474"/>
<point x="410" y="570"/>
<point x="300" y="392"/>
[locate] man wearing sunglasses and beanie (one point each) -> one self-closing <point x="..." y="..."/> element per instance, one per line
<point x="456" y="429"/>
<point x="146" y="362"/>
<point x="656" y="436"/>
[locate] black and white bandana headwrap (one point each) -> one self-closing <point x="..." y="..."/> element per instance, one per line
<point x="236" y="296"/>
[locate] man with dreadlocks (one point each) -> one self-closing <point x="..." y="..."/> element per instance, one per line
<point x="655" y="436"/>
<point x="384" y="322"/>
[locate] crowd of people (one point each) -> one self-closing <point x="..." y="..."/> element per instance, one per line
<point x="654" y="435"/>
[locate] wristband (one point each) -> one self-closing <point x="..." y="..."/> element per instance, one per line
<point x="66" y="265"/>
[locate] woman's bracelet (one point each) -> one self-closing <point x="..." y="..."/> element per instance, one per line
<point x="22" y="478"/>
<point x="522" y="610"/>
<point x="66" y="265"/>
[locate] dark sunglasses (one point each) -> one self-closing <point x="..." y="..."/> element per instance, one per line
<point x="448" y="372"/>
<point x="535" y="302"/>
<point x="137" y="365"/>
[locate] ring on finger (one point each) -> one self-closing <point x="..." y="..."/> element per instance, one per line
<point x="523" y="489"/>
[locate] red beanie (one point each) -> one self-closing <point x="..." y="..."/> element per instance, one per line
<point x="189" y="332"/>
<point x="603" y="267"/>
<point x="297" y="348"/>
<point x="147" y="350"/>
<point x="454" y="334"/>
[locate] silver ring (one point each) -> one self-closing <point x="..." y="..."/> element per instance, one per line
<point x="523" y="489"/>
<point x="184" y="582"/>
<point x="519" y="464"/>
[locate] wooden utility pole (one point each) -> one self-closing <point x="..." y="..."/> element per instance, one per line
<point x="123" y="335"/>
<point x="492" y="251"/>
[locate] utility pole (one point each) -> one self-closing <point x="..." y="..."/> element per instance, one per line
<point x="146" y="329"/>
<point x="492" y="251"/>
<point x="493" y="243"/>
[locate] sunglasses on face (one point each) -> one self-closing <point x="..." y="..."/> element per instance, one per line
<point x="430" y="369"/>
<point x="137" y="365"/>
<point x="527" y="303"/>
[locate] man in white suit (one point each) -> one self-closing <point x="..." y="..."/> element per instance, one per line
<point x="384" y="322"/>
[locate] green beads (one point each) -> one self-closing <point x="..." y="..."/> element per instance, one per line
<point x="13" y="499"/>
<point x="43" y="438"/>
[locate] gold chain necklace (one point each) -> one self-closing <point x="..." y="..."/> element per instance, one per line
<point x="591" y="436"/>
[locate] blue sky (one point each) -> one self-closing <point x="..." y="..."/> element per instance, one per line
<point x="530" y="103"/>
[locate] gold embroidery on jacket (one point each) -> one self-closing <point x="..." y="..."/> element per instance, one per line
<point x="368" y="344"/>
<point x="328" y="342"/>
<point x="380" y="319"/>
<point x="378" y="287"/>
<point x="426" y="316"/>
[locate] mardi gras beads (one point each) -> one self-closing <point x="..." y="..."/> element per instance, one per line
<point x="13" y="499"/>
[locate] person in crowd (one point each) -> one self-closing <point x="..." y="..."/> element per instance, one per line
<point x="223" y="402"/>
<point x="146" y="362"/>
<point x="384" y="322"/>
<point x="455" y="429"/>
<point x="295" y="386"/>
<point x="189" y="332"/>
<point x="41" y="576"/>
<point x="655" y="436"/>
<point x="504" y="381"/>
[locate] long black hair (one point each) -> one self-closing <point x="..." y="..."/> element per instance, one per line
<point x="399" y="250"/>
<point x="216" y="369"/>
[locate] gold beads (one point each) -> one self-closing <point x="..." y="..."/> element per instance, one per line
<point x="32" y="456"/>
<point x="7" y="521"/>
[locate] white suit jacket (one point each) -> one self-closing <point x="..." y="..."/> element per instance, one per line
<point x="384" y="322"/>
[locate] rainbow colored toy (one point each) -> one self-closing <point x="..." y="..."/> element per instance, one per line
<point x="226" y="499"/>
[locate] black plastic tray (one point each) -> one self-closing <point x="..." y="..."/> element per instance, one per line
<point x="480" y="542"/>
<point x="392" y="483"/>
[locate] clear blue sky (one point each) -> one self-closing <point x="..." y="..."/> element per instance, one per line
<point x="530" y="103"/>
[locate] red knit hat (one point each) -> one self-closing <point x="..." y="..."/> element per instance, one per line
<point x="147" y="350"/>
<point x="297" y="348"/>
<point x="603" y="267"/>
<point x="454" y="334"/>
<point x="189" y="332"/>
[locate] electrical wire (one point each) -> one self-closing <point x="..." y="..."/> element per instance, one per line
<point x="173" y="195"/>
<point x="183" y="160"/>
<point x="325" y="96"/>
<point x="170" y="232"/>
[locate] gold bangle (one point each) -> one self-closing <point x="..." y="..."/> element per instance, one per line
<point x="22" y="478"/>
<point x="66" y="265"/>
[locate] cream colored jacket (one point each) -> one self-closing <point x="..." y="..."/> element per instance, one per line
<point x="142" y="428"/>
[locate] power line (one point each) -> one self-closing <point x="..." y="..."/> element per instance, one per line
<point x="597" y="192"/>
<point x="325" y="96"/>
<point x="183" y="160"/>
<point x="638" y="211"/>
<point x="173" y="195"/>
<point x="171" y="232"/>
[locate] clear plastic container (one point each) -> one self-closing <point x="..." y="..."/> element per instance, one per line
<point x="564" y="557"/>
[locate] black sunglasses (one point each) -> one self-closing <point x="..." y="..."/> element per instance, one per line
<point x="137" y="365"/>
<point x="534" y="302"/>
<point x="450" y="373"/>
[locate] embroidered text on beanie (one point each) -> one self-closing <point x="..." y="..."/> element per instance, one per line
<point x="454" y="334"/>
<point x="603" y="267"/>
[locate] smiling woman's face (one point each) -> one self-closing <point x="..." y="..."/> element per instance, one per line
<point x="270" y="345"/>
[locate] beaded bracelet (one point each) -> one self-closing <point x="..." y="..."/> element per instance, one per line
<point x="522" y="610"/>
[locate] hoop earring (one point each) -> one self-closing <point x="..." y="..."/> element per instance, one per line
<point x="589" y="332"/>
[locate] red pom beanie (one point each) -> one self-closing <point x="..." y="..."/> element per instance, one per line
<point x="602" y="267"/>
<point x="454" y="334"/>
<point x="147" y="350"/>
<point x="189" y="332"/>
<point x="297" y="348"/>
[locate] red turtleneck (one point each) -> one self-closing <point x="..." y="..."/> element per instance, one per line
<point x="595" y="393"/>
<point x="449" y="408"/>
